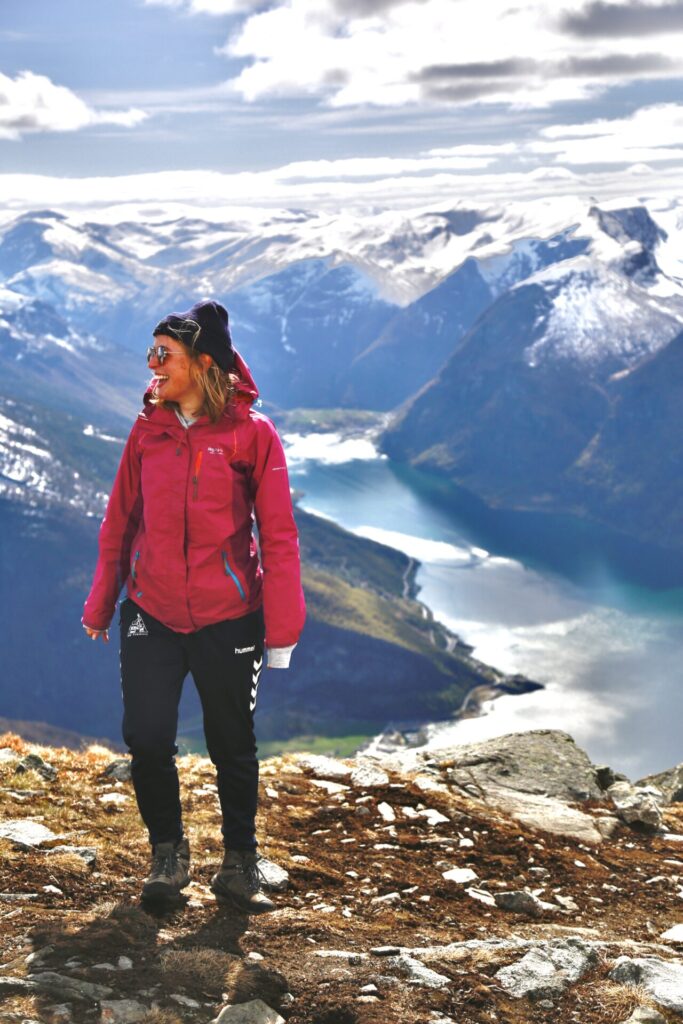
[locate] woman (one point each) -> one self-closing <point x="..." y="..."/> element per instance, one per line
<point x="199" y="465"/>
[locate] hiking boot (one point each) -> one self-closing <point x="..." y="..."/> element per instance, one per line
<point x="170" y="871"/>
<point x="240" y="880"/>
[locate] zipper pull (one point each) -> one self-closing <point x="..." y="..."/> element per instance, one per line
<point x="195" y="478"/>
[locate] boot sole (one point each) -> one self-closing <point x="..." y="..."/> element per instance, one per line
<point x="229" y="899"/>
<point x="158" y="892"/>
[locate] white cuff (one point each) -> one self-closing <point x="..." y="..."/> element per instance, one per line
<point x="278" y="657"/>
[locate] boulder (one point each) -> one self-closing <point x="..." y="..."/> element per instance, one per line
<point x="545" y="972"/>
<point x="546" y="813"/>
<point x="119" y="770"/>
<point x="636" y="806"/>
<point x="276" y="878"/>
<point x="669" y="783"/>
<point x="542" y="761"/>
<point x="663" y="979"/>
<point x="122" y="1011"/>
<point x="33" y="762"/>
<point x="253" y="1012"/>
<point x="325" y="767"/>
<point x="524" y="903"/>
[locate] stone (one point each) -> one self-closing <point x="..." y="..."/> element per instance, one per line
<point x="7" y="754"/>
<point x="124" y="963"/>
<point x="118" y="770"/>
<point x="368" y="999"/>
<point x="482" y="896"/>
<point x="86" y="853"/>
<point x="389" y="897"/>
<point x="277" y="879"/>
<point x="15" y="986"/>
<point x="546" y="813"/>
<point x="606" y="776"/>
<point x="663" y="979"/>
<point x="114" y="798"/>
<point x="25" y="833"/>
<point x="185" y="1001"/>
<point x="387" y="811"/>
<point x="645" y="1015"/>
<point x="369" y="990"/>
<point x="461" y="876"/>
<point x="330" y="787"/>
<point x="60" y="1014"/>
<point x="566" y="902"/>
<point x="18" y="897"/>
<point x="546" y="971"/>
<point x="385" y="950"/>
<point x="636" y="806"/>
<point x="122" y="1011"/>
<point x="367" y="775"/>
<point x="325" y="767"/>
<point x="33" y="762"/>
<point x="52" y="890"/>
<point x="673" y="934"/>
<point x="351" y="956"/>
<point x="523" y="903"/>
<point x="433" y="817"/>
<point x="669" y="783"/>
<point x="416" y="973"/>
<point x="59" y="985"/>
<point x="545" y="762"/>
<point x="253" y="1012"/>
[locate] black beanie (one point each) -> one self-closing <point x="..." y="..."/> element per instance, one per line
<point x="204" y="328"/>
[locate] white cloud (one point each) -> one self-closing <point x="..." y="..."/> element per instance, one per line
<point x="653" y="133"/>
<point x="440" y="51"/>
<point x="33" y="103"/>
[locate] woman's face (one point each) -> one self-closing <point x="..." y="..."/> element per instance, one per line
<point x="172" y="380"/>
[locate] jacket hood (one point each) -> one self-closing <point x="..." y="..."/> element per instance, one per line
<point x="246" y="391"/>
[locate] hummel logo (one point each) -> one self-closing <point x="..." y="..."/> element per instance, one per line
<point x="137" y="627"/>
<point x="245" y="650"/>
<point x="215" y="451"/>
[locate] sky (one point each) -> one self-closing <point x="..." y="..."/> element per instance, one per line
<point x="315" y="102"/>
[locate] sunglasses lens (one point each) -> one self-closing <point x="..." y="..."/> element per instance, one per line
<point x="160" y="351"/>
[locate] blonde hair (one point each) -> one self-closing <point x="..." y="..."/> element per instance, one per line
<point x="217" y="386"/>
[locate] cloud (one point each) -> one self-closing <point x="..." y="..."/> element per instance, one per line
<point x="612" y="20"/>
<point x="33" y="103"/>
<point x="650" y="134"/>
<point x="391" y="53"/>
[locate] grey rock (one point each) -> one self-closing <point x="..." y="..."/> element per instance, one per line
<point x="416" y="972"/>
<point x="276" y="877"/>
<point x="33" y="762"/>
<point x="60" y="986"/>
<point x="325" y="767"/>
<point x="606" y="776"/>
<point x="18" y="897"/>
<point x="253" y="1012"/>
<point x="15" y="986"/>
<point x="663" y="979"/>
<point x="367" y="775"/>
<point x="546" y="813"/>
<point x="669" y="783"/>
<point x="523" y="903"/>
<point x="645" y="1015"/>
<point x="86" y="853"/>
<point x="7" y="754"/>
<point x="349" y="955"/>
<point x="118" y="770"/>
<point x="60" y="1014"/>
<point x="26" y="833"/>
<point x="546" y="971"/>
<point x="122" y="1011"/>
<point x="636" y="806"/>
<point x="385" y="950"/>
<point x="542" y="761"/>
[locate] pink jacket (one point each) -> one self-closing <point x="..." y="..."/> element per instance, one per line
<point x="178" y="526"/>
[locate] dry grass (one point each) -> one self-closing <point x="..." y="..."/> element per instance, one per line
<point x="198" y="968"/>
<point x="618" y="1002"/>
<point x="247" y="981"/>
<point x="161" y="1017"/>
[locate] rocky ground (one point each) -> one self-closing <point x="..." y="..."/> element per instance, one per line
<point x="509" y="881"/>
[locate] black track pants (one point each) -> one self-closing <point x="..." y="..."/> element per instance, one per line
<point x="225" y="660"/>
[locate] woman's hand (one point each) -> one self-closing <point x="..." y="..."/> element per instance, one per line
<point x="95" y="633"/>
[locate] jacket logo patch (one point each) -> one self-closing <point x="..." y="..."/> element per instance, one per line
<point x="245" y="650"/>
<point x="215" y="451"/>
<point x="137" y="627"/>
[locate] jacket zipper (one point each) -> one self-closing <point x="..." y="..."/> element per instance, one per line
<point x="133" y="568"/>
<point x="195" y="478"/>
<point x="229" y="572"/>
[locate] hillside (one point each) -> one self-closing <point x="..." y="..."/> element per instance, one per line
<point x="500" y="881"/>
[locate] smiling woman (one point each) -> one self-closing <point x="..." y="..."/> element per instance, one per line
<point x="198" y="466"/>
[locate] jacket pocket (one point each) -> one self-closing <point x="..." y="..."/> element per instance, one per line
<point x="229" y="571"/>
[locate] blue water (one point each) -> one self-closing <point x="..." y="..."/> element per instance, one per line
<point x="592" y="616"/>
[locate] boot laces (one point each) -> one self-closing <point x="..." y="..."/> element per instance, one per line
<point x="164" y="863"/>
<point x="256" y="880"/>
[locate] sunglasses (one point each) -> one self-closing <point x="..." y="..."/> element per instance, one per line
<point x="160" y="351"/>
